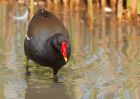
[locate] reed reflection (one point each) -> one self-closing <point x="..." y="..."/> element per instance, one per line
<point x="104" y="56"/>
<point x="12" y="82"/>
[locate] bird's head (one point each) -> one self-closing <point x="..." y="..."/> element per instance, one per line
<point x="60" y="43"/>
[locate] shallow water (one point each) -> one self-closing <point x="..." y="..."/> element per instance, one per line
<point x="105" y="61"/>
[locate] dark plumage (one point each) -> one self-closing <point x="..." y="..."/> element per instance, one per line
<point x="47" y="41"/>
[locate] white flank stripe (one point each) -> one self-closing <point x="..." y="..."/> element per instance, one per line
<point x="27" y="37"/>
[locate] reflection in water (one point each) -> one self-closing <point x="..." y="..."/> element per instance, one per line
<point x="42" y="90"/>
<point x="12" y="83"/>
<point x="104" y="63"/>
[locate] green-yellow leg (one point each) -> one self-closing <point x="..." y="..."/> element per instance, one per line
<point x="27" y="65"/>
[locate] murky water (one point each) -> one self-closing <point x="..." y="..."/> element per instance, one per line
<point x="105" y="61"/>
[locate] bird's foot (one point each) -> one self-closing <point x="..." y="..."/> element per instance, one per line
<point x="28" y="73"/>
<point x="55" y="78"/>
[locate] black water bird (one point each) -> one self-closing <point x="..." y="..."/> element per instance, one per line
<point x="47" y="41"/>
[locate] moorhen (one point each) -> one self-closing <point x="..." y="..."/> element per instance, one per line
<point x="47" y="41"/>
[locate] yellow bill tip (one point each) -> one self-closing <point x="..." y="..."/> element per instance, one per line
<point x="65" y="58"/>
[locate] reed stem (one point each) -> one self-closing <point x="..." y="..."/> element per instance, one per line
<point x="31" y="8"/>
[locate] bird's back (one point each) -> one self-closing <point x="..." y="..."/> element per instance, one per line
<point x="44" y="24"/>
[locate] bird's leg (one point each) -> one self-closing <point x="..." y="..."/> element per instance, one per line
<point x="55" y="70"/>
<point x="27" y="65"/>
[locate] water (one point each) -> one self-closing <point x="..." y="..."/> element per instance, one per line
<point x="105" y="61"/>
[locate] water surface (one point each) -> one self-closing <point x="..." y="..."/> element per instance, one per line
<point x="105" y="61"/>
